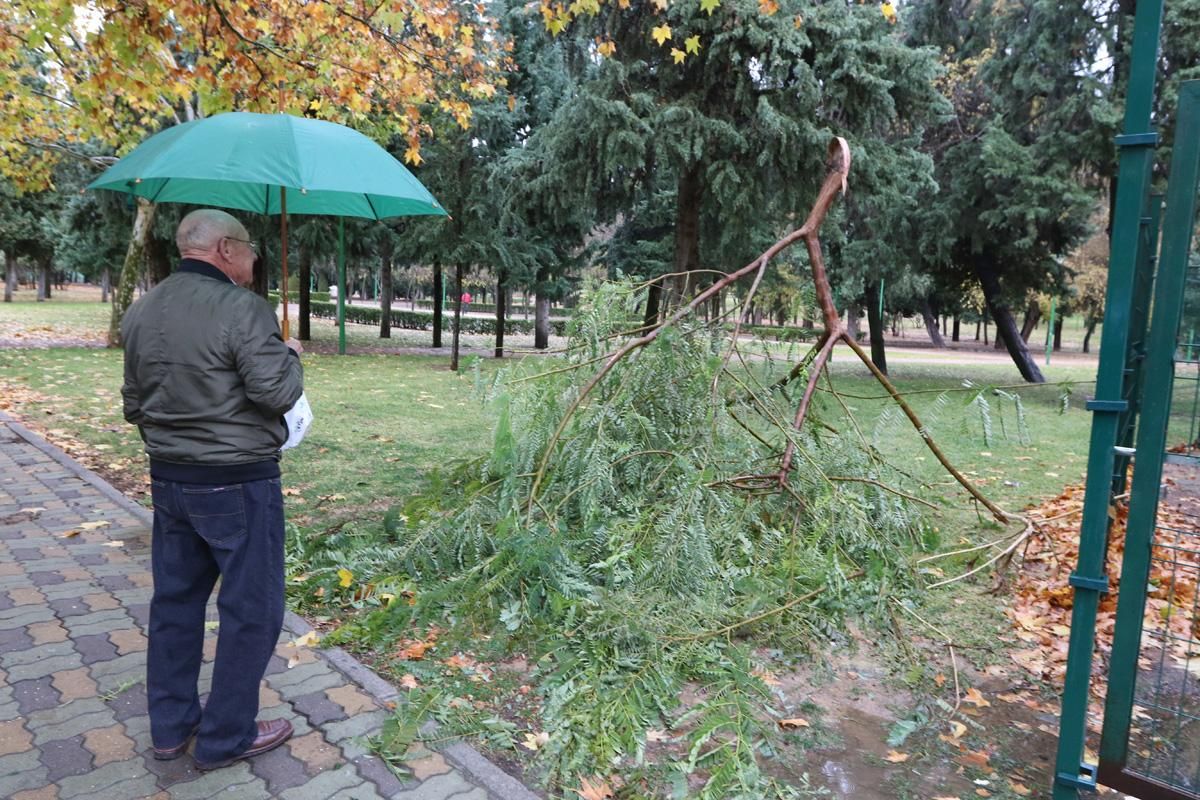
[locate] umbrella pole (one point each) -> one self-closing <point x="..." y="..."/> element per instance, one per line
<point x="341" y="311"/>
<point x="284" y="237"/>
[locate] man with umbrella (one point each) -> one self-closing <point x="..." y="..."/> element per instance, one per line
<point x="208" y="378"/>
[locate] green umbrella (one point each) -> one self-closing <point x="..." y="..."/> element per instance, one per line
<point x="271" y="164"/>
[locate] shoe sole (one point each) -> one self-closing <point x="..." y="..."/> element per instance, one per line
<point x="243" y="756"/>
<point x="174" y="752"/>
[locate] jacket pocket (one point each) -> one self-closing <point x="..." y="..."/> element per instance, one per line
<point x="218" y="513"/>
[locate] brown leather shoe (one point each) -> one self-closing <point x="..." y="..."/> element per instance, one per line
<point x="172" y="753"/>
<point x="271" y="734"/>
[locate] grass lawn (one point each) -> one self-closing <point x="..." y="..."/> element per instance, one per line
<point x="385" y="423"/>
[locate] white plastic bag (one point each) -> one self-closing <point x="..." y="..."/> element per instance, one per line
<point x="298" y="418"/>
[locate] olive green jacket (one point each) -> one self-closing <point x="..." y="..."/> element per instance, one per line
<point x="207" y="375"/>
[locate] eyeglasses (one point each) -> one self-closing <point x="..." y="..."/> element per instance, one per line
<point x="250" y="242"/>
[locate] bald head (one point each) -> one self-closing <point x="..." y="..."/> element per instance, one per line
<point x="219" y="239"/>
<point x="202" y="230"/>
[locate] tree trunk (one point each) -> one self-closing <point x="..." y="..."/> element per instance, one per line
<point x="1058" y="326"/>
<point x="931" y="324"/>
<point x="105" y="284"/>
<point x="653" y="301"/>
<point x="458" y="292"/>
<point x="978" y="325"/>
<point x="1033" y="315"/>
<point x="158" y="260"/>
<point x="1087" y="336"/>
<point x="43" y="280"/>
<point x="954" y="329"/>
<point x="10" y="275"/>
<point x="437" y="303"/>
<point x="875" y="325"/>
<point x="385" y="291"/>
<point x="690" y="191"/>
<point x="1006" y="327"/>
<point x="131" y="269"/>
<point x="304" y="309"/>
<point x="502" y="298"/>
<point x="853" y="320"/>
<point x="541" y="316"/>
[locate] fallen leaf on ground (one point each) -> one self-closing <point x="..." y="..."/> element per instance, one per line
<point x="654" y="735"/>
<point x="975" y="698"/>
<point x="793" y="723"/>
<point x="895" y="757"/>
<point x="534" y="741"/>
<point x="408" y="682"/>
<point x="91" y="526"/>
<point x="307" y="640"/>
<point x="594" y="789"/>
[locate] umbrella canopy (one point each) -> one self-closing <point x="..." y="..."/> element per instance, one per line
<point x="248" y="161"/>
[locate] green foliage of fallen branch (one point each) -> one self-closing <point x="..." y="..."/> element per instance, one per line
<point x="653" y="557"/>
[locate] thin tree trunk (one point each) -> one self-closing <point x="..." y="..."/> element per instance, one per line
<point x="10" y="275"/>
<point x="1033" y="315"/>
<point x="1087" y="336"/>
<point x="954" y="329"/>
<point x="931" y="324"/>
<point x="690" y="191"/>
<point x="458" y="292"/>
<point x="978" y="325"/>
<point x="158" y="260"/>
<point x="541" y="316"/>
<point x="653" y="301"/>
<point x="304" y="309"/>
<point x="105" y="284"/>
<point x="385" y="291"/>
<point x="853" y="320"/>
<point x="437" y="303"/>
<point x="502" y="298"/>
<point x="1058" y="328"/>
<point x="43" y="280"/>
<point x="875" y="325"/>
<point x="131" y="269"/>
<point x="1006" y="327"/>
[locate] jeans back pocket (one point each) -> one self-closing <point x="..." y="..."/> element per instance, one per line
<point x="218" y="513"/>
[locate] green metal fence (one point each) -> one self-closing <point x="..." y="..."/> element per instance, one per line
<point x="1150" y="743"/>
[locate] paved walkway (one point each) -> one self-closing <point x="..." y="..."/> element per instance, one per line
<point x="73" y="613"/>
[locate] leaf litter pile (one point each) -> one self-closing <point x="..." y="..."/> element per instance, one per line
<point x="1041" y="600"/>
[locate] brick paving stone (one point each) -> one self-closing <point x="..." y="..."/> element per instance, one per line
<point x="130" y="640"/>
<point x="36" y="653"/>
<point x="140" y="613"/>
<point x="46" y="632"/>
<point x="44" y="793"/>
<point x="90" y="559"/>
<point x="98" y="622"/>
<point x="95" y="648"/>
<point x="64" y="757"/>
<point x="114" y="582"/>
<point x="45" y="578"/>
<point x="16" y="639"/>
<point x="14" y="737"/>
<point x="268" y="697"/>
<point x="20" y="616"/>
<point x="427" y="764"/>
<point x="440" y="787"/>
<point x="74" y="684"/>
<point x="321" y="678"/>
<point x="100" y="601"/>
<point x="314" y="752"/>
<point x="26" y="553"/>
<point x="121" y="779"/>
<point x="76" y="574"/>
<point x="351" y="699"/>
<point x="47" y="666"/>
<point x="130" y="703"/>
<point x="36" y="694"/>
<point x="279" y="769"/>
<point x="69" y="720"/>
<point x="318" y="708"/>
<point x="169" y="773"/>
<point x="69" y="607"/>
<point x="373" y="769"/>
<point x="73" y="590"/>
<point x="21" y="771"/>
<point x="236" y="781"/>
<point x="26" y="597"/>
<point x="108" y="744"/>
<point x="326" y="784"/>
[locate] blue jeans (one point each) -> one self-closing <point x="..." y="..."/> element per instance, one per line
<point x="203" y="532"/>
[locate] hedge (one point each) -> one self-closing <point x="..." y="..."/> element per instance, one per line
<point x="294" y="296"/>
<point x="423" y="321"/>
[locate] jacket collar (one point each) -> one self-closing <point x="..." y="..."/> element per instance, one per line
<point x="202" y="268"/>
